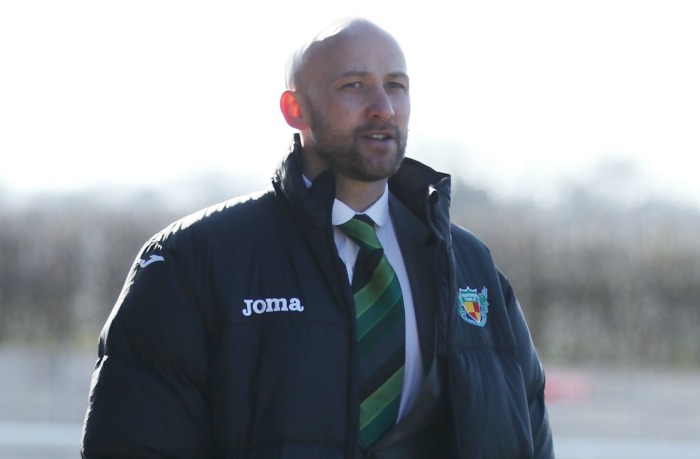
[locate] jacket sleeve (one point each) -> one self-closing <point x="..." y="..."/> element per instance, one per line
<point x="148" y="395"/>
<point x="533" y="375"/>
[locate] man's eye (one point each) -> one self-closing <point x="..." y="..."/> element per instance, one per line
<point x="395" y="85"/>
<point x="353" y="85"/>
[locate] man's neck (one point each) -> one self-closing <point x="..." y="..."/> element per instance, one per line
<point x="356" y="194"/>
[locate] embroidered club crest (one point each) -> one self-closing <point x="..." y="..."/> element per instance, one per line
<point x="473" y="306"/>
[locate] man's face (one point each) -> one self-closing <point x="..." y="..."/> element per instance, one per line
<point x="357" y="105"/>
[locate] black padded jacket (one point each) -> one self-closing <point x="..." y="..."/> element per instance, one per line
<point x="234" y="337"/>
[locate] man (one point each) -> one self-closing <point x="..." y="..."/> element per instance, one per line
<point x="279" y="325"/>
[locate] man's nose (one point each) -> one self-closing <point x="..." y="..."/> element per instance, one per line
<point x="380" y="106"/>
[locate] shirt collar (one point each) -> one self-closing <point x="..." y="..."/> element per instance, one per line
<point x="378" y="212"/>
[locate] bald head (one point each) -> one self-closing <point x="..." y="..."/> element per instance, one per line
<point x="327" y="41"/>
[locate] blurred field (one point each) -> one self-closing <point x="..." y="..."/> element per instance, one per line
<point x="624" y="413"/>
<point x="601" y="413"/>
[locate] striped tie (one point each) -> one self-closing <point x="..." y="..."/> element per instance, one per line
<point x="380" y="332"/>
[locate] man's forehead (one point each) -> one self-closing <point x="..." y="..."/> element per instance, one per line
<point x="351" y="45"/>
<point x="357" y="52"/>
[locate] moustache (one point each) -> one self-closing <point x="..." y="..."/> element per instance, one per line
<point x="369" y="128"/>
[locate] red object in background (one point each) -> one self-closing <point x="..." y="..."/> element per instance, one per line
<point x="567" y="386"/>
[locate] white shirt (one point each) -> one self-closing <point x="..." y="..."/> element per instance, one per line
<point x="347" y="249"/>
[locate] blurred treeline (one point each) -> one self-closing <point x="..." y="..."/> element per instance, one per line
<point x="600" y="282"/>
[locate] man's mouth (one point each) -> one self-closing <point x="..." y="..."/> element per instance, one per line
<point x="378" y="133"/>
<point x="382" y="134"/>
<point x="378" y="136"/>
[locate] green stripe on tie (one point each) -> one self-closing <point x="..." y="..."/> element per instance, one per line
<point x="380" y="409"/>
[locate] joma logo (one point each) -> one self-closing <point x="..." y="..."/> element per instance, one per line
<point x="261" y="306"/>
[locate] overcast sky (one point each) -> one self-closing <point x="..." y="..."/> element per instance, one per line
<point x="517" y="97"/>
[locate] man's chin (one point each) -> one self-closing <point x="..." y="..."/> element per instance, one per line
<point x="374" y="171"/>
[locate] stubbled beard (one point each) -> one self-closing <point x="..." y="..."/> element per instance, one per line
<point x="342" y="152"/>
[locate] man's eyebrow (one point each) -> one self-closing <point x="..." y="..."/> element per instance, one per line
<point x="403" y="75"/>
<point x="362" y="73"/>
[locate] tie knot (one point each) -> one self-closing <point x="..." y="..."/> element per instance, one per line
<point x="361" y="230"/>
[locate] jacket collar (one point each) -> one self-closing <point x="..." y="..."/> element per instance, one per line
<point x="314" y="203"/>
<point x="423" y="190"/>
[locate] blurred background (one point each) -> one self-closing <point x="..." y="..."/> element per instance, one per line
<point x="570" y="129"/>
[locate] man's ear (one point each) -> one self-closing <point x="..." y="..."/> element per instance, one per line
<point x="290" y="105"/>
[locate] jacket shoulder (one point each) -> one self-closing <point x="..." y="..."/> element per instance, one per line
<point x="465" y="240"/>
<point x="241" y="212"/>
